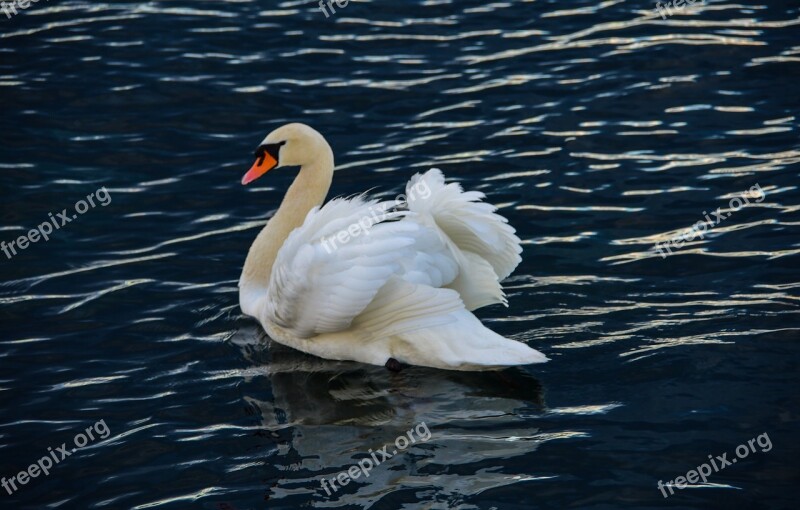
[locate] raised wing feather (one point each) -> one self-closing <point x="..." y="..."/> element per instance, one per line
<point x="470" y="223"/>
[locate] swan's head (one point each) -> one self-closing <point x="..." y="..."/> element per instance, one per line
<point x="290" y="145"/>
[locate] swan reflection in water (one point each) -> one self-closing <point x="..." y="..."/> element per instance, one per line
<point x="325" y="416"/>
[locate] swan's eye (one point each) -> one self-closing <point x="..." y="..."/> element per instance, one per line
<point x="273" y="149"/>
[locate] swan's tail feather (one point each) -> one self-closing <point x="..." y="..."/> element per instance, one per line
<point x="465" y="344"/>
<point x="426" y="326"/>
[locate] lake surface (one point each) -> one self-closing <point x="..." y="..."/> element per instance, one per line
<point x="598" y="128"/>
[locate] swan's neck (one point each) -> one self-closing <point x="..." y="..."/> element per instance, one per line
<point x="308" y="190"/>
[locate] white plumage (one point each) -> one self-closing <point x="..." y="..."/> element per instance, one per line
<point x="342" y="282"/>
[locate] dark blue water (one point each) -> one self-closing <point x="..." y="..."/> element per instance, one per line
<point x="597" y="127"/>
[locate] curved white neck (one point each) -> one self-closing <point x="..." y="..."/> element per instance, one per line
<point x="308" y="190"/>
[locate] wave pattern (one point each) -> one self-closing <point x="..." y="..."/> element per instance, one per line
<point x="600" y="129"/>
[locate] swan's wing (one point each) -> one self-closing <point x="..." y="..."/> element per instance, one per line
<point x="429" y="261"/>
<point x="319" y="283"/>
<point x="482" y="243"/>
<point x="470" y="223"/>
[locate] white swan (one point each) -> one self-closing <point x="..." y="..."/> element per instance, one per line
<point x="332" y="282"/>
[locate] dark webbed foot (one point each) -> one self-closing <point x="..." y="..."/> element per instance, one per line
<point x="394" y="365"/>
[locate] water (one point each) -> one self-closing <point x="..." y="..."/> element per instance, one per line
<point x="597" y="127"/>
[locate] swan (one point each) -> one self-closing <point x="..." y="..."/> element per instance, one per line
<point x="368" y="281"/>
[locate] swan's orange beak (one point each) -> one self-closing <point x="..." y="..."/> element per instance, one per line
<point x="263" y="164"/>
